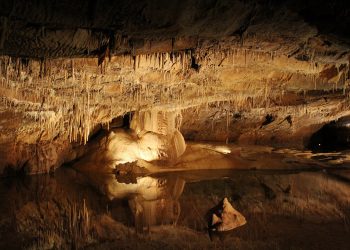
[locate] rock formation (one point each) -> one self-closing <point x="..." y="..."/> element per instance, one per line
<point x="68" y="68"/>
<point x="226" y="218"/>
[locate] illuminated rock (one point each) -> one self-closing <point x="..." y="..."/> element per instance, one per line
<point x="226" y="218"/>
<point x="162" y="141"/>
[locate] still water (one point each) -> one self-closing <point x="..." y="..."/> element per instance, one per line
<point x="305" y="205"/>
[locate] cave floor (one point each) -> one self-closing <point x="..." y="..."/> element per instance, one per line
<point x="303" y="206"/>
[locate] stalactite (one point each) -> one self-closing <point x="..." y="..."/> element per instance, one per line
<point x="182" y="55"/>
<point x="134" y="59"/>
<point x="73" y="74"/>
<point x="65" y="77"/>
<point x="315" y="82"/>
<point x="78" y="120"/>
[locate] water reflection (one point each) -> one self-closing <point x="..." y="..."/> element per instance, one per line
<point x="78" y="208"/>
<point x="161" y="211"/>
<point x="152" y="200"/>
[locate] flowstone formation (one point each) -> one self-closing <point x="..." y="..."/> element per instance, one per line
<point x="252" y="72"/>
<point x="153" y="136"/>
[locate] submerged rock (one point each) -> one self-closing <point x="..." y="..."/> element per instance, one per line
<point x="225" y="218"/>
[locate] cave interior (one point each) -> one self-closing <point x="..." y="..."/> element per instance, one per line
<point x="144" y="124"/>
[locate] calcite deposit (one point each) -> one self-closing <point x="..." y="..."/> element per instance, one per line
<point x="251" y="72"/>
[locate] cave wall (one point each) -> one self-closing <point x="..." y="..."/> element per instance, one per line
<point x="255" y="72"/>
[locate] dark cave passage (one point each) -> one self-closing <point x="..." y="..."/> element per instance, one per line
<point x="333" y="136"/>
